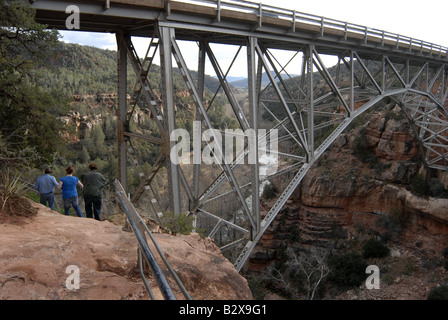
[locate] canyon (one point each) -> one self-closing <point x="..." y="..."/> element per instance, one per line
<point x="348" y="198"/>
<point x="351" y="195"/>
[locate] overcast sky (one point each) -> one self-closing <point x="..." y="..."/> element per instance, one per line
<point x="422" y="20"/>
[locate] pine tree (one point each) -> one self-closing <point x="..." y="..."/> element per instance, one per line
<point x="84" y="157"/>
<point x="28" y="114"/>
<point x="97" y="136"/>
<point x="111" y="129"/>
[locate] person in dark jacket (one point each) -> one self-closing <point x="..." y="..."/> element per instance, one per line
<point x="93" y="197"/>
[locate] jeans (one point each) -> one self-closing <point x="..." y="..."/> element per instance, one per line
<point x="47" y="197"/>
<point x="73" y="201"/>
<point x="95" y="204"/>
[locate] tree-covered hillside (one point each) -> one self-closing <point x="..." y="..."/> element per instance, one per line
<point x="58" y="102"/>
<point x="77" y="69"/>
<point x="87" y="76"/>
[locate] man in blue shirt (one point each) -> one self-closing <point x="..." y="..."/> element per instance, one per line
<point x="45" y="185"/>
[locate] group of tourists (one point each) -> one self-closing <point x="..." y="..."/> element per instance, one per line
<point x="91" y="183"/>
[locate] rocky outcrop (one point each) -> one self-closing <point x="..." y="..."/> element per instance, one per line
<point x="370" y="196"/>
<point x="392" y="138"/>
<point x="35" y="256"/>
<point x="344" y="194"/>
<point x="343" y="182"/>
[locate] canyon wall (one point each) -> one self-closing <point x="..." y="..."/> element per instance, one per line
<point x="347" y="191"/>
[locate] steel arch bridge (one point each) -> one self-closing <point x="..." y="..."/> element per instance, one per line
<point x="308" y="111"/>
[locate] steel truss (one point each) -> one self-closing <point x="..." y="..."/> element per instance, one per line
<point x="309" y="112"/>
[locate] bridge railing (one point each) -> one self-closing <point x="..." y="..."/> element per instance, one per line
<point x="141" y="230"/>
<point x="326" y="26"/>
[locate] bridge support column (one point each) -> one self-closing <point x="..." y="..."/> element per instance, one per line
<point x="166" y="34"/>
<point x="254" y="110"/>
<point x="122" y="110"/>
<point x="310" y="78"/>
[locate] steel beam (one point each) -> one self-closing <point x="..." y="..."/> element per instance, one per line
<point x="122" y="110"/>
<point x="167" y="35"/>
<point x="254" y="108"/>
<point x="227" y="168"/>
<point x="244" y="125"/>
<point x="283" y="101"/>
<point x="310" y="109"/>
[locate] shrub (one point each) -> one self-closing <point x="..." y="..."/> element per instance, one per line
<point x="445" y="253"/>
<point x="439" y="293"/>
<point x="360" y="143"/>
<point x="374" y="249"/>
<point x="419" y="185"/>
<point x="11" y="187"/>
<point x="436" y="188"/>
<point x="269" y="192"/>
<point x="394" y="224"/>
<point x="257" y="288"/>
<point x="181" y="223"/>
<point x="362" y="151"/>
<point x="347" y="270"/>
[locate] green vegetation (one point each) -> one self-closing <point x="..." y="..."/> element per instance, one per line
<point x="257" y="288"/>
<point x="419" y="185"/>
<point x="439" y="293"/>
<point x="58" y="105"/>
<point x="30" y="131"/>
<point x="180" y="224"/>
<point x="11" y="187"/>
<point x="88" y="76"/>
<point x="74" y="69"/>
<point x="269" y="192"/>
<point x="347" y="270"/>
<point x="445" y="256"/>
<point x="437" y="189"/>
<point x="362" y="151"/>
<point x="374" y="249"/>
<point x="433" y="188"/>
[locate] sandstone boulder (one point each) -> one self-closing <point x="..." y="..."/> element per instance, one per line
<point x="36" y="256"/>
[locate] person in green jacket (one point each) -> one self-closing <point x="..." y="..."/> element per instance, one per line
<point x="93" y="197"/>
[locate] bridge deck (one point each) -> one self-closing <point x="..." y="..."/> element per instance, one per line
<point x="231" y="24"/>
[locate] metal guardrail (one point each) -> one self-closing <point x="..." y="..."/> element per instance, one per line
<point x="322" y="23"/>
<point x="144" y="251"/>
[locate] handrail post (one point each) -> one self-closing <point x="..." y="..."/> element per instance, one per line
<point x="157" y="271"/>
